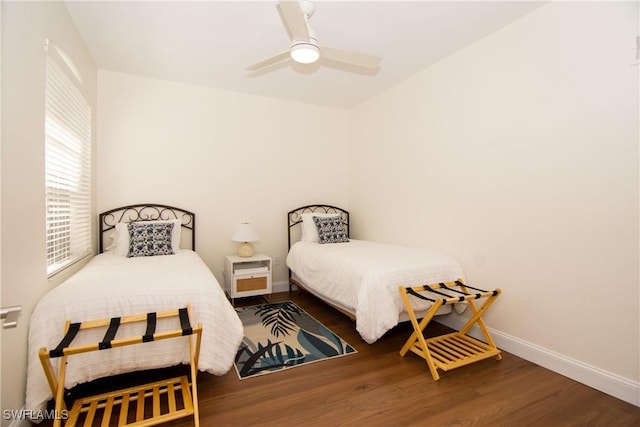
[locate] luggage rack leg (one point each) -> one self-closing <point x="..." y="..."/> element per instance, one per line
<point x="453" y="350"/>
<point x="90" y="408"/>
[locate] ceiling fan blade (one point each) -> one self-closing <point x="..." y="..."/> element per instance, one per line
<point x="349" y="68"/>
<point x="270" y="61"/>
<point x="349" y="57"/>
<point x="294" y="19"/>
<point x="269" y="69"/>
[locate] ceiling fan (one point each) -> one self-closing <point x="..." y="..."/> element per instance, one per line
<point x="304" y="47"/>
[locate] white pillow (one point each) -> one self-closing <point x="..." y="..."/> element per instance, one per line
<point x="121" y="237"/>
<point x="112" y="239"/>
<point x="309" y="229"/>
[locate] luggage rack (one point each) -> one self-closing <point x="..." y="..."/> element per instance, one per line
<point x="170" y="399"/>
<point x="456" y="349"/>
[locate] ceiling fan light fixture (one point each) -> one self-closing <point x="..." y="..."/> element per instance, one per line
<point x="305" y="52"/>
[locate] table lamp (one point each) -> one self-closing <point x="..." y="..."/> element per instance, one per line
<point x="245" y="234"/>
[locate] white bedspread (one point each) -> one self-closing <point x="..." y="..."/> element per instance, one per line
<point x="364" y="277"/>
<point x="110" y="286"/>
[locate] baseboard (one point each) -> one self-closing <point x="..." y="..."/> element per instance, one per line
<point x="599" y="379"/>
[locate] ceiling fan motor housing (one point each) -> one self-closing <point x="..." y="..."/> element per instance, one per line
<point x="307" y="8"/>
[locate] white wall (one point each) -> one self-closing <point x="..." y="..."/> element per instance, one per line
<point x="519" y="156"/>
<point x="25" y="25"/>
<point x="228" y="157"/>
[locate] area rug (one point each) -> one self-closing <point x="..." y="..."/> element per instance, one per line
<point x="281" y="335"/>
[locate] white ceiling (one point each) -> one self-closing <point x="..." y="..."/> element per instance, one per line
<point x="211" y="43"/>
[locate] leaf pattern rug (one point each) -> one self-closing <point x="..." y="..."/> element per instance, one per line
<point x="281" y="335"/>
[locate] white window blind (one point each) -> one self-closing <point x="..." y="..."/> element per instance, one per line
<point x="68" y="163"/>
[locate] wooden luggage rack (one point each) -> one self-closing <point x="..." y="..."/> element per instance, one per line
<point x="453" y="350"/>
<point x="181" y="398"/>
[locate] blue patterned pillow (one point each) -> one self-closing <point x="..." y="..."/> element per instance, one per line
<point x="331" y="229"/>
<point x="150" y="239"/>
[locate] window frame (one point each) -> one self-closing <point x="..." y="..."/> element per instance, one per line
<point x="68" y="163"/>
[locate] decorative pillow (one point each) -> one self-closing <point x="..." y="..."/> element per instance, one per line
<point x="331" y="229"/>
<point x="149" y="239"/>
<point x="309" y="228"/>
<point x="121" y="236"/>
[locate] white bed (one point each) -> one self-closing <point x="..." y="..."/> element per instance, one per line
<point x="362" y="278"/>
<point x="113" y="285"/>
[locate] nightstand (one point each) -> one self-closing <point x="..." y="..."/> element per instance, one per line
<point x="247" y="276"/>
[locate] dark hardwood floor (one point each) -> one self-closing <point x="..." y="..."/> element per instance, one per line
<point x="377" y="387"/>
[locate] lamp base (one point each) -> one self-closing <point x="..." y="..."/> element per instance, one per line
<point x="245" y="250"/>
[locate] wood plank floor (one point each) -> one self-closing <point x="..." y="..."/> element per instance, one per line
<point x="377" y="387"/>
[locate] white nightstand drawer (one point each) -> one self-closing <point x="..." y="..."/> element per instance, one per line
<point x="252" y="283"/>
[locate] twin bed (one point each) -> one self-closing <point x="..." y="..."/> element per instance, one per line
<point x="113" y="284"/>
<point x="359" y="278"/>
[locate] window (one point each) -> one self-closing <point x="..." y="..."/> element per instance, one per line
<point x="67" y="162"/>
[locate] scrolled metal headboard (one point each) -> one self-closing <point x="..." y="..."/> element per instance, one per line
<point x="145" y="212"/>
<point x="294" y="217"/>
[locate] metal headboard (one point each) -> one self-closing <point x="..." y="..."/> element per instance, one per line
<point x="294" y="217"/>
<point x="145" y="212"/>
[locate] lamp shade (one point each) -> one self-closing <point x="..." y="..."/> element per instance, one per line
<point x="245" y="232"/>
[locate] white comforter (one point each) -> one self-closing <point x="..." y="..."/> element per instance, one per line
<point x="364" y="278"/>
<point x="112" y="285"/>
